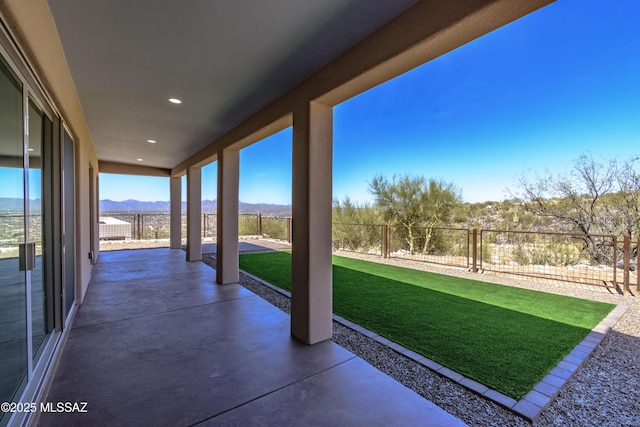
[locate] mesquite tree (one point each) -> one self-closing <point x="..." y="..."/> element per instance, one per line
<point x="416" y="205"/>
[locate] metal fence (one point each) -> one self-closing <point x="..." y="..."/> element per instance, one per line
<point x="362" y="238"/>
<point x="156" y="226"/>
<point x="446" y="246"/>
<point x="594" y="260"/>
<point x="269" y="227"/>
<point x="121" y="226"/>
<point x="209" y="225"/>
<point x="275" y="227"/>
<point x="555" y="256"/>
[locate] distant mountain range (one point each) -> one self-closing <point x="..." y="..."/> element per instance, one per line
<point x="207" y="206"/>
<point x="17" y="205"/>
<point x="136" y="206"/>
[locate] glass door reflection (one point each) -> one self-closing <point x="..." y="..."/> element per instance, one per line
<point x="13" y="319"/>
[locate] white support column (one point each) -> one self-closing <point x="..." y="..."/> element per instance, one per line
<point x="311" y="293"/>
<point x="227" y="268"/>
<point x="175" y="203"/>
<point x="194" y="208"/>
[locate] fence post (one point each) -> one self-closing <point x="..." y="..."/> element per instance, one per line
<point x="259" y="218"/>
<point x="138" y="227"/>
<point x="289" y="229"/>
<point x="474" y="250"/>
<point x="615" y="264"/>
<point x="637" y="272"/>
<point x="625" y="263"/>
<point x="468" y="247"/>
<point x="385" y="243"/>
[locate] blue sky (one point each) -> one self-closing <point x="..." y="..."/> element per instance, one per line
<point x="530" y="96"/>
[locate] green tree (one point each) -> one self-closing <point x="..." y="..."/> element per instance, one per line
<point x="416" y="205"/>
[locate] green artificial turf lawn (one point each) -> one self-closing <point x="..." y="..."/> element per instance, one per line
<point x="504" y="337"/>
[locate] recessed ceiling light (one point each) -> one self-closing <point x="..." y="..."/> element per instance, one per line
<point x="175" y="101"/>
<point x="151" y="141"/>
<point x="140" y="160"/>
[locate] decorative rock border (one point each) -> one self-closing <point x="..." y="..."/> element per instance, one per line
<point x="537" y="400"/>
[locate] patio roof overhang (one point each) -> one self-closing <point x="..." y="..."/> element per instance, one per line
<point x="239" y="67"/>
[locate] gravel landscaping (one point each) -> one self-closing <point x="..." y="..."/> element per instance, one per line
<point x="603" y="392"/>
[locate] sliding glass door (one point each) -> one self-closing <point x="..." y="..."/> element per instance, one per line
<point x="13" y="278"/>
<point x="27" y="168"/>
<point x="37" y="231"/>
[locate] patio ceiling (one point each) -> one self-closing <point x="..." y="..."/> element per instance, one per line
<point x="224" y="59"/>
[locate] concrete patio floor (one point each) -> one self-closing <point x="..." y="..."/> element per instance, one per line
<point x="157" y="342"/>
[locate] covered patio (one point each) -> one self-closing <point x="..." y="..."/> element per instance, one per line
<point x="160" y="89"/>
<point x="158" y="340"/>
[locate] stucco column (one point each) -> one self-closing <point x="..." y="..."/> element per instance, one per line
<point x="311" y="293"/>
<point x="175" y="210"/>
<point x="227" y="217"/>
<point x="194" y="208"/>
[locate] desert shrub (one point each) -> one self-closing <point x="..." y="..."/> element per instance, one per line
<point x="358" y="237"/>
<point x="542" y="253"/>
<point x="356" y="227"/>
<point x="276" y="228"/>
<point x="248" y="225"/>
<point x="487" y="252"/>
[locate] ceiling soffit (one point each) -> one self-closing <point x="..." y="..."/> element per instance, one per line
<point x="225" y="60"/>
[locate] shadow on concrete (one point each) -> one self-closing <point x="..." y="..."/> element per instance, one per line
<point x="254" y="246"/>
